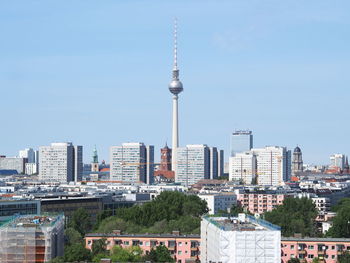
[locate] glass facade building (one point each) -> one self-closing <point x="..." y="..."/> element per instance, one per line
<point x="241" y="141"/>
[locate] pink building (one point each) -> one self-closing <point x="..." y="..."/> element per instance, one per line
<point x="260" y="202"/>
<point x="184" y="248"/>
<point x="326" y="249"/>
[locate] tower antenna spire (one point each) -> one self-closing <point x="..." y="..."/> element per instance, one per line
<point x="175" y="44"/>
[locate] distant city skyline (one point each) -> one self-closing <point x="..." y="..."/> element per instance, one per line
<point x="97" y="73"/>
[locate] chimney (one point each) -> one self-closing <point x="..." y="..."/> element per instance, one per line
<point x="176" y="232"/>
<point x="117" y="232"/>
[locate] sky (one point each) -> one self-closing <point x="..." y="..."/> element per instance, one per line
<point x="97" y="73"/>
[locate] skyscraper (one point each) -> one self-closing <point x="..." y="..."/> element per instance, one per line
<point x="241" y="141"/>
<point x="27" y="153"/>
<point x="132" y="162"/>
<point x="175" y="87"/>
<point x="60" y="162"/>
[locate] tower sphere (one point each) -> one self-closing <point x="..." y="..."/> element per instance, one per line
<point x="175" y="86"/>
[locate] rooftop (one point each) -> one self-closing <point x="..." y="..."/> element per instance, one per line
<point x="32" y="221"/>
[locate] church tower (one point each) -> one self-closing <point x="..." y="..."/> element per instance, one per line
<point x="297" y="164"/>
<point x="94" y="164"/>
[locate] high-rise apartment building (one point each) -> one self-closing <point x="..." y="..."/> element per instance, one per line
<point x="192" y="164"/>
<point x="273" y="165"/>
<point x="243" y="167"/>
<point x="132" y="162"/>
<point x="29" y="154"/>
<point x="13" y="163"/>
<point x="241" y="141"/>
<point x="60" y="162"/>
<point x="214" y="163"/>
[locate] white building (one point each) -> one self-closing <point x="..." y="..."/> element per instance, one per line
<point x="273" y="165"/>
<point x="243" y="239"/>
<point x="242" y="167"/>
<point x="192" y="164"/>
<point x="337" y="160"/>
<point x="132" y="162"/>
<point x="60" y="162"/>
<point x="27" y="153"/>
<point x="31" y="168"/>
<point x="218" y="201"/>
<point x="13" y="163"/>
<point x="322" y="204"/>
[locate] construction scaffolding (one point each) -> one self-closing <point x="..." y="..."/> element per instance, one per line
<point x="31" y="239"/>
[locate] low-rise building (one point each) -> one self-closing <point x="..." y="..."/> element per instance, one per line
<point x="325" y="249"/>
<point x="10" y="208"/>
<point x="218" y="201"/>
<point x="183" y="248"/>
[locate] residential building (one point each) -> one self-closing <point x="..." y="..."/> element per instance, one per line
<point x="322" y="204"/>
<point x="242" y="167"/>
<point x="259" y="203"/>
<point x="273" y="165"/>
<point x="308" y="248"/>
<point x="193" y="164"/>
<point x="132" y="162"/>
<point x="183" y="248"/>
<point x="241" y="141"/>
<point x="218" y="201"/>
<point x="31" y="168"/>
<point x="60" y="162"/>
<point x="29" y="154"/>
<point x="297" y="164"/>
<point x="239" y="239"/>
<point x="32" y="239"/>
<point x="13" y="163"/>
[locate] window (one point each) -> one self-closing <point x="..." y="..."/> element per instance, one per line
<point x="291" y="246"/>
<point x="126" y="243"/>
<point x="311" y="247"/>
<point x="179" y="252"/>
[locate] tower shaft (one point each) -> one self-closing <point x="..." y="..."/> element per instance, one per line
<point x="175" y="133"/>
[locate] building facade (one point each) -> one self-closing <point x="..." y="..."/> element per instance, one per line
<point x="241" y="141"/>
<point x="242" y="167"/>
<point x="164" y="172"/>
<point x="132" y="162"/>
<point x="60" y="162"/>
<point x="337" y="160"/>
<point x="27" y="153"/>
<point x="13" y="163"/>
<point x="32" y="239"/>
<point x="219" y="201"/>
<point x="242" y="239"/>
<point x="183" y="248"/>
<point x="10" y="208"/>
<point x="193" y="164"/>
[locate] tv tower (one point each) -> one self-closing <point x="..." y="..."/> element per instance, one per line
<point x="175" y="88"/>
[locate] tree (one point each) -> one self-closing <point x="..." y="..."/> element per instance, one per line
<point x="99" y="247"/>
<point x="130" y="254"/>
<point x="316" y="260"/>
<point x="72" y="236"/>
<point x="294" y="260"/>
<point x="76" y="252"/>
<point x="344" y="258"/>
<point x="160" y="254"/>
<point x="81" y="221"/>
<point x="296" y="215"/>
<point x="341" y="223"/>
<point x="236" y="209"/>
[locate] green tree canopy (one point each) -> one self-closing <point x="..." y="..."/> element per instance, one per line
<point x="99" y="247"/>
<point x="344" y="258"/>
<point x="294" y="260"/>
<point x="76" y="252"/>
<point x="341" y="222"/>
<point x="72" y="236"/>
<point x="296" y="215"/>
<point x="160" y="254"/>
<point x="130" y="254"/>
<point x="81" y="221"/>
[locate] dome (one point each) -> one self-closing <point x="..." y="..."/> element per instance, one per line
<point x="175" y="87"/>
<point x="297" y="150"/>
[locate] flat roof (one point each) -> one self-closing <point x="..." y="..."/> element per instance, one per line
<point x="142" y="235"/>
<point x="316" y="239"/>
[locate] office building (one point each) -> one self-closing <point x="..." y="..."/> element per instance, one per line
<point x="60" y="162"/>
<point x="337" y="160"/>
<point x="242" y="167"/>
<point x="32" y="239"/>
<point x="213" y="163"/>
<point x="10" y="208"/>
<point x="241" y="141"/>
<point x="193" y="164"/>
<point x="221" y="164"/>
<point x="239" y="239"/>
<point x="132" y="162"/>
<point x="13" y="163"/>
<point x="273" y="165"/>
<point x="297" y="163"/>
<point x="31" y="168"/>
<point x="219" y="201"/>
<point x="29" y="154"/>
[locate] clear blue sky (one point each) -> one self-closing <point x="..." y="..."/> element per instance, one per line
<point x="96" y="72"/>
